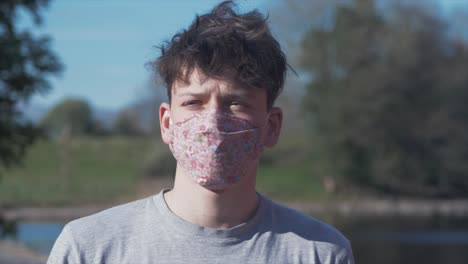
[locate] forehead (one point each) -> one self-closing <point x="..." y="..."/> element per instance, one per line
<point x="201" y="84"/>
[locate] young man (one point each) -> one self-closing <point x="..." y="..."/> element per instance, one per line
<point x="223" y="75"/>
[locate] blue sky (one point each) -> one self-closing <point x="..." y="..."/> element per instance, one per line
<point x="105" y="44"/>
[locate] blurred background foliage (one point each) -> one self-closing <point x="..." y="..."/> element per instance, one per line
<point x="379" y="107"/>
<point x="388" y="99"/>
<point x="26" y="62"/>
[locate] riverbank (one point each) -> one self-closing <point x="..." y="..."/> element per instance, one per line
<point x="387" y="207"/>
<point x="14" y="253"/>
<point x="359" y="207"/>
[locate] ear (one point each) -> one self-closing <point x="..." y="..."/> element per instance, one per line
<point x="164" y="124"/>
<point x="273" y="127"/>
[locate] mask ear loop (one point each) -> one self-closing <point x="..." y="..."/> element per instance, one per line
<point x="263" y="127"/>
<point x="171" y="140"/>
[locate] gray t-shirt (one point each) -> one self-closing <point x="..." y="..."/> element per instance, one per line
<point x="147" y="231"/>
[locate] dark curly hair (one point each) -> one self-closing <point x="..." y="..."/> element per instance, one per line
<point x="223" y="44"/>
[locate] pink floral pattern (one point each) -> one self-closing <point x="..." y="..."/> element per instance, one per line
<point x="215" y="148"/>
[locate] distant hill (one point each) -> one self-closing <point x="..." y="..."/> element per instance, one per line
<point x="146" y="112"/>
<point x="35" y="112"/>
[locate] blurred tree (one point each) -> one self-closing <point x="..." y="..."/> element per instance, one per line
<point x="99" y="128"/>
<point x="26" y="62"/>
<point x="127" y="124"/>
<point x="72" y="116"/>
<point x="388" y="98"/>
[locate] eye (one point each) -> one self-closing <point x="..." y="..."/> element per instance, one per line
<point x="238" y="105"/>
<point x="191" y="103"/>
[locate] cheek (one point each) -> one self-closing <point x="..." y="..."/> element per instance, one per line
<point x="257" y="119"/>
<point x="178" y="115"/>
<point x="247" y="117"/>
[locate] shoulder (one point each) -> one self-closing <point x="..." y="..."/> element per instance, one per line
<point x="115" y="224"/>
<point x="95" y="235"/>
<point x="112" y="218"/>
<point x="298" y="228"/>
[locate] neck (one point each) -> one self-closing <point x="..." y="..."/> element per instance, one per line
<point x="215" y="209"/>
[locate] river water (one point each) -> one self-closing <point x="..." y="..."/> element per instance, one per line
<point x="397" y="239"/>
<point x="382" y="240"/>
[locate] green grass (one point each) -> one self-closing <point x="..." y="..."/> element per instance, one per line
<point x="289" y="183"/>
<point x="83" y="170"/>
<point x="286" y="170"/>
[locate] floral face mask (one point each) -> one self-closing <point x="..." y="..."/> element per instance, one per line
<point x="216" y="149"/>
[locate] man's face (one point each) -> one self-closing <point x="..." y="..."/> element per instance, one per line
<point x="205" y="93"/>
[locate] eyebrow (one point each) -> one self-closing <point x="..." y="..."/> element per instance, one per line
<point x="194" y="94"/>
<point x="236" y="97"/>
<point x="237" y="94"/>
